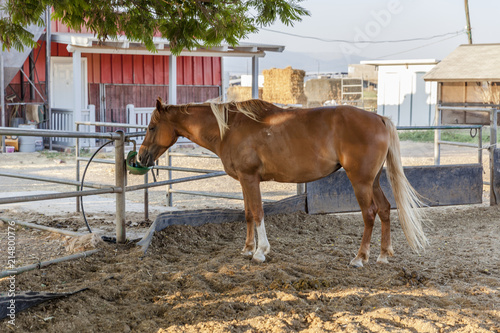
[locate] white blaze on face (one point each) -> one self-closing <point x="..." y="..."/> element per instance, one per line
<point x="263" y="246"/>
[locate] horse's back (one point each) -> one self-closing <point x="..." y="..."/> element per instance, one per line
<point x="302" y="144"/>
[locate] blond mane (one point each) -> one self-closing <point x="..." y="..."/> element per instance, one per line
<point x="254" y="109"/>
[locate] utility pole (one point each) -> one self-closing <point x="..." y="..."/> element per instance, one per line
<point x="467" y="17"/>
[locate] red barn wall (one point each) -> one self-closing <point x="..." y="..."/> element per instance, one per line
<point x="131" y="79"/>
<point x="134" y="69"/>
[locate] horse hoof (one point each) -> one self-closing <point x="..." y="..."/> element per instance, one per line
<point x="382" y="260"/>
<point x="259" y="257"/>
<point x="247" y="253"/>
<point x="356" y="263"/>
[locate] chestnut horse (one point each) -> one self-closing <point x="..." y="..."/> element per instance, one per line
<point x="258" y="141"/>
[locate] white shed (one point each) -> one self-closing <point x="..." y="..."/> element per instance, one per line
<point x="403" y="95"/>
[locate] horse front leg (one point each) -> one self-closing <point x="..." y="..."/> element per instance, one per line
<point x="254" y="215"/>
<point x="249" y="248"/>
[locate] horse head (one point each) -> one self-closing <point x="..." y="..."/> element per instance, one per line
<point x="160" y="135"/>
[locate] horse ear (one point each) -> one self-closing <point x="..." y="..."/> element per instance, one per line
<point x="159" y="104"/>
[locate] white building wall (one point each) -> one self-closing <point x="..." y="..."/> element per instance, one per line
<point x="404" y="96"/>
<point x="246" y="81"/>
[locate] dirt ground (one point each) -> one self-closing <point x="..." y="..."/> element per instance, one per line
<point x="195" y="280"/>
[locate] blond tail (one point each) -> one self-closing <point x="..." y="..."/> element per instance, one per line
<point x="407" y="200"/>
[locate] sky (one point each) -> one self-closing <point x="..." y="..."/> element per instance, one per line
<point x="433" y="28"/>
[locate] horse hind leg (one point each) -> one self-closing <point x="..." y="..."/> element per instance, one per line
<point x="384" y="212"/>
<point x="364" y="195"/>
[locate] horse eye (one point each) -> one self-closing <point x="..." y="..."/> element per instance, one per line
<point x="151" y="128"/>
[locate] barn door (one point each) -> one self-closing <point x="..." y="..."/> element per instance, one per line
<point x="61" y="91"/>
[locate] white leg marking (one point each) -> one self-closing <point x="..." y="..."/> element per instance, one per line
<point x="263" y="246"/>
<point x="382" y="259"/>
<point x="359" y="261"/>
<point x="356" y="262"/>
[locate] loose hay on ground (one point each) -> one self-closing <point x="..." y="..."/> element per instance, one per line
<point x="195" y="280"/>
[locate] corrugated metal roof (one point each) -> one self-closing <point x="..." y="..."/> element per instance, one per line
<point x="476" y="62"/>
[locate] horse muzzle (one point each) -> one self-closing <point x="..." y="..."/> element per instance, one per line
<point x="146" y="158"/>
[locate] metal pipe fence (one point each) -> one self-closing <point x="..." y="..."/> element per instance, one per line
<point x="493" y="112"/>
<point x="56" y="134"/>
<point x="170" y="168"/>
<point x="62" y="195"/>
<point x="52" y="180"/>
<point x="300" y="187"/>
<point x="120" y="188"/>
<point x="493" y="123"/>
<point x="438" y="141"/>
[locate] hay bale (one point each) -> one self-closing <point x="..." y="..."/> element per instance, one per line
<point x="318" y="91"/>
<point x="284" y="86"/>
<point x="239" y="93"/>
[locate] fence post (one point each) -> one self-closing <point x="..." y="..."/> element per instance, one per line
<point x="480" y="146"/>
<point x="92" y="120"/>
<point x="437" y="137"/>
<point x="493" y="161"/>
<point x="301" y="188"/>
<point x="77" y="153"/>
<point x="169" y="187"/>
<point x="495" y="177"/>
<point x="120" y="181"/>
<point x="146" y="198"/>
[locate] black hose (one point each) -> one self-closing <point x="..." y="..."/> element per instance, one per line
<point x="105" y="238"/>
<point x="83" y="178"/>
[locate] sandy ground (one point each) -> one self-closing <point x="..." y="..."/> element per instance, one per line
<point x="195" y="280"/>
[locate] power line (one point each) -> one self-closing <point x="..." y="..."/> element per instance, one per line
<point x="455" y="33"/>
<point x="421" y="46"/>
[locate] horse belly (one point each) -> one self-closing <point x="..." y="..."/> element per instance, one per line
<point x="298" y="166"/>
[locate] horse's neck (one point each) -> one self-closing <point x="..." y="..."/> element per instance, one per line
<point x="200" y="126"/>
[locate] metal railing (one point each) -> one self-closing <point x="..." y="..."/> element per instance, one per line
<point x="493" y="115"/>
<point x="437" y="143"/>
<point x="170" y="168"/>
<point x="119" y="188"/>
<point x="300" y="187"/>
<point x="146" y="185"/>
<point x="493" y="118"/>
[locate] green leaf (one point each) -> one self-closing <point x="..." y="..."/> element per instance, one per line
<point x="186" y="24"/>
